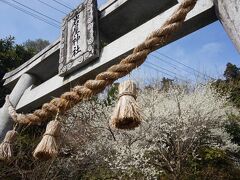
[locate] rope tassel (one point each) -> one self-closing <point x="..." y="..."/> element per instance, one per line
<point x="6" y="152"/>
<point x="48" y="147"/>
<point x="126" y="65"/>
<point x="126" y="115"/>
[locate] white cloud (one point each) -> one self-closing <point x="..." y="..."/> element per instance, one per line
<point x="212" y="48"/>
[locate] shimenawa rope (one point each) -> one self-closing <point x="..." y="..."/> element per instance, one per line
<point x="127" y="113"/>
<point x="102" y="80"/>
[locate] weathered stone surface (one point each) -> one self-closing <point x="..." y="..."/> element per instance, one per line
<point x="45" y="64"/>
<point x="111" y="54"/>
<point x="125" y="15"/>
<point x="79" y="39"/>
<point x="23" y="83"/>
<point x="228" y="12"/>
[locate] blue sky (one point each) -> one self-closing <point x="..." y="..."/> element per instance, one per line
<point x="206" y="50"/>
<point x="23" y="26"/>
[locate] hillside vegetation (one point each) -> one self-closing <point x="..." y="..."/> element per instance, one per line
<point x="187" y="132"/>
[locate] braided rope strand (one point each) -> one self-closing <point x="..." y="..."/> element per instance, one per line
<point x="102" y="80"/>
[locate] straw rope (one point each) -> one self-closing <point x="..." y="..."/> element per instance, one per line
<point x="102" y="80"/>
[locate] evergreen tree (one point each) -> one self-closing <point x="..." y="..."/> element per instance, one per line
<point x="231" y="72"/>
<point x="13" y="55"/>
<point x="36" y="45"/>
<point x="231" y="88"/>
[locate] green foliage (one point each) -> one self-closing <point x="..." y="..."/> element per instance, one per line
<point x="235" y="95"/>
<point x="233" y="128"/>
<point x="232" y="72"/>
<point x="231" y="88"/>
<point x="112" y="94"/>
<point x="23" y="162"/>
<point x="36" y="45"/>
<point x="13" y="55"/>
<point x="103" y="172"/>
<point x="204" y="163"/>
<point x="214" y="156"/>
<point x="166" y="83"/>
<point x="98" y="173"/>
<point x="212" y="163"/>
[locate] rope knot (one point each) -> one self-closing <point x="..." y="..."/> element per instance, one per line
<point x="92" y="87"/>
<point x="127" y="114"/>
<point x="127" y="93"/>
<point x="48" y="146"/>
<point x="50" y="134"/>
<point x="6" y="152"/>
<point x="7" y="142"/>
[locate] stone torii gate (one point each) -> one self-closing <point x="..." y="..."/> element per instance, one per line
<point x="94" y="39"/>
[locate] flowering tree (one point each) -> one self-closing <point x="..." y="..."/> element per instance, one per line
<point x="176" y="124"/>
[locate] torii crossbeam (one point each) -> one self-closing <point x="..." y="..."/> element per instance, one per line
<point x="122" y="25"/>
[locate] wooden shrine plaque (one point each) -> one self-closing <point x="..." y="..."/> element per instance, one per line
<point x="80" y="38"/>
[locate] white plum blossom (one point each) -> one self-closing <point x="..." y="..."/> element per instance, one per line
<point x="176" y="124"/>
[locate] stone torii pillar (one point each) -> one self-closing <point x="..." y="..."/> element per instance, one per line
<point x="228" y="12"/>
<point x="24" y="82"/>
